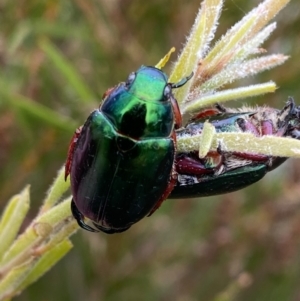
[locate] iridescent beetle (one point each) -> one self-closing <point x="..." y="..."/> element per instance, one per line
<point x="220" y="171"/>
<point x="121" y="162"/>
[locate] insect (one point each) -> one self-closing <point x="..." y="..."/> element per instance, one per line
<point x="220" y="171"/>
<point x="121" y="161"/>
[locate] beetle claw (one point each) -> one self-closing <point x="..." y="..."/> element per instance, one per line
<point x="71" y="152"/>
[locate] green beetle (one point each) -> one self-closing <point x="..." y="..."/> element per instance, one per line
<point x="121" y="162"/>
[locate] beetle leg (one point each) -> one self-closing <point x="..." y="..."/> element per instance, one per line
<point x="176" y="112"/>
<point x="71" y="151"/>
<point x="80" y="218"/>
<point x="294" y="126"/>
<point x="267" y="128"/>
<point x="285" y="117"/>
<point x="205" y="114"/>
<point x="252" y="156"/>
<point x="191" y="166"/>
<point x="288" y="112"/>
<point x="247" y="126"/>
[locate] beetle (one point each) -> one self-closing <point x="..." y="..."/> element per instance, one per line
<point x="220" y="172"/>
<point x="121" y="161"/>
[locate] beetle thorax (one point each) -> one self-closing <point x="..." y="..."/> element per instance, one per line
<point x="138" y="109"/>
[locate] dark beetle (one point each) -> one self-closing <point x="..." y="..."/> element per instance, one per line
<point x="121" y="162"/>
<point x="221" y="172"/>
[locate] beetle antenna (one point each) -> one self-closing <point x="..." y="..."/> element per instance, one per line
<point x="182" y="81"/>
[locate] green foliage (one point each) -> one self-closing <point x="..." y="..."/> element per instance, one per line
<point x="26" y="258"/>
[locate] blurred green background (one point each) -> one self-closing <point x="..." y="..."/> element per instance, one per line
<point x="240" y="246"/>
